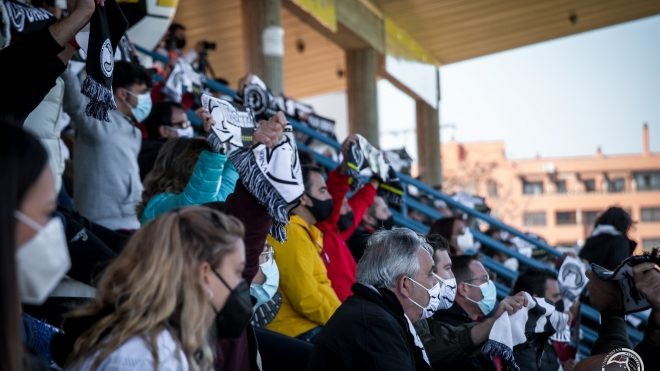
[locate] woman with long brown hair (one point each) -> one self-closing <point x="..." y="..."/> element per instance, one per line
<point x="186" y="172"/>
<point x="160" y="302"/>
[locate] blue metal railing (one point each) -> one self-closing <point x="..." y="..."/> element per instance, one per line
<point x="410" y="202"/>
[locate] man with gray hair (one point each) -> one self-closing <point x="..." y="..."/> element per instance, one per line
<point x="373" y="329"/>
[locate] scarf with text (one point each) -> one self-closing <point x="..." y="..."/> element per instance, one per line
<point x="20" y="19"/>
<point x="272" y="175"/>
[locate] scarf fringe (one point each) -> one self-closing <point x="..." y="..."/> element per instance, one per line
<point x="101" y="100"/>
<point x="255" y="181"/>
<point x="497" y="349"/>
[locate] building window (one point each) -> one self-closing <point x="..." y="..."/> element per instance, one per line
<point x="647" y="181"/>
<point x="616" y="185"/>
<point x="589" y="217"/>
<point x="651" y="214"/>
<point x="566" y="217"/>
<point x="534" y="218"/>
<point x="491" y="188"/>
<point x="561" y="186"/>
<point x="532" y="188"/>
<point x="649" y="243"/>
<point x="590" y="185"/>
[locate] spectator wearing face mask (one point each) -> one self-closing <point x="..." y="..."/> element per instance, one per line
<point x="166" y="120"/>
<point x="308" y="299"/>
<point x="543" y="285"/>
<point x="450" y="228"/>
<point x="32" y="244"/>
<point x="107" y="185"/>
<point x="373" y="329"/>
<point x="475" y="299"/>
<point x="448" y="344"/>
<point x="264" y="289"/>
<point x="337" y="257"/>
<point x="377" y="217"/>
<point x="178" y="278"/>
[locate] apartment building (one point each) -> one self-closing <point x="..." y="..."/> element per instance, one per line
<point x="559" y="198"/>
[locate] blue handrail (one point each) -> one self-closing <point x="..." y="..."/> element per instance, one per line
<point x="500" y="247"/>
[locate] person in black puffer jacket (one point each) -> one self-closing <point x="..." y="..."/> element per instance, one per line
<point x="609" y="244"/>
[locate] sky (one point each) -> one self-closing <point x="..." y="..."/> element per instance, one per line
<point x="563" y="97"/>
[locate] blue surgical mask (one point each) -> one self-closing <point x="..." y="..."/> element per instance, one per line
<point x="264" y="292"/>
<point x="143" y="107"/>
<point x="489" y="300"/>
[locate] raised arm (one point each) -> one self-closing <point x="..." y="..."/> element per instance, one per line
<point x="360" y="203"/>
<point x="204" y="186"/>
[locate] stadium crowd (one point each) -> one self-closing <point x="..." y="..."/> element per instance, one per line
<point x="136" y="242"/>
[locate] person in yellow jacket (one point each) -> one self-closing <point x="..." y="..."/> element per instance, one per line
<point x="308" y="300"/>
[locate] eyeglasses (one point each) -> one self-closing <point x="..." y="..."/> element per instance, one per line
<point x="266" y="256"/>
<point x="181" y="124"/>
<point x="484" y="278"/>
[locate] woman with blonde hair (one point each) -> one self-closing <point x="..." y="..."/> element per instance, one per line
<point x="176" y="285"/>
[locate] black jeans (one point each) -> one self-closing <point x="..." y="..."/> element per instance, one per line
<point x="281" y="352"/>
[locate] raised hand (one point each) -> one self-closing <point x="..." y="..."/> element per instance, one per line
<point x="207" y="119"/>
<point x="511" y="304"/>
<point x="270" y="132"/>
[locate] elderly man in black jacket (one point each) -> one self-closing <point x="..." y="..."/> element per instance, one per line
<point x="373" y="329"/>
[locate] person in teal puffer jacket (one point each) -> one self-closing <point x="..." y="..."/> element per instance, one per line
<point x="186" y="172"/>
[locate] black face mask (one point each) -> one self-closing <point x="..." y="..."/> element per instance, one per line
<point x="385" y="223"/>
<point x="321" y="209"/>
<point x="345" y="221"/>
<point x="232" y="319"/>
<point x="559" y="306"/>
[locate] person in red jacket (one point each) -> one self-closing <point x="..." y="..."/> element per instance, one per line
<point x="338" y="259"/>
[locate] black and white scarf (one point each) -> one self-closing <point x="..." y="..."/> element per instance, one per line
<point x="182" y="79"/>
<point x="572" y="279"/>
<point x="107" y="26"/>
<point x="256" y="95"/>
<point x="21" y="19"/>
<point x="538" y="319"/>
<point x="633" y="300"/>
<point x="272" y="175"/>
<point x="363" y="156"/>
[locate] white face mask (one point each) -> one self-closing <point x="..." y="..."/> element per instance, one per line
<point x="447" y="292"/>
<point x="434" y="299"/>
<point x="42" y="261"/>
<point x="465" y="241"/>
<point x="183" y="132"/>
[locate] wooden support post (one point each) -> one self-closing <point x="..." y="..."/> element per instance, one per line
<point x="361" y="69"/>
<point x="263" y="33"/>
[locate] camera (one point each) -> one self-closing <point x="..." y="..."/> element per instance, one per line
<point x="208" y="45"/>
